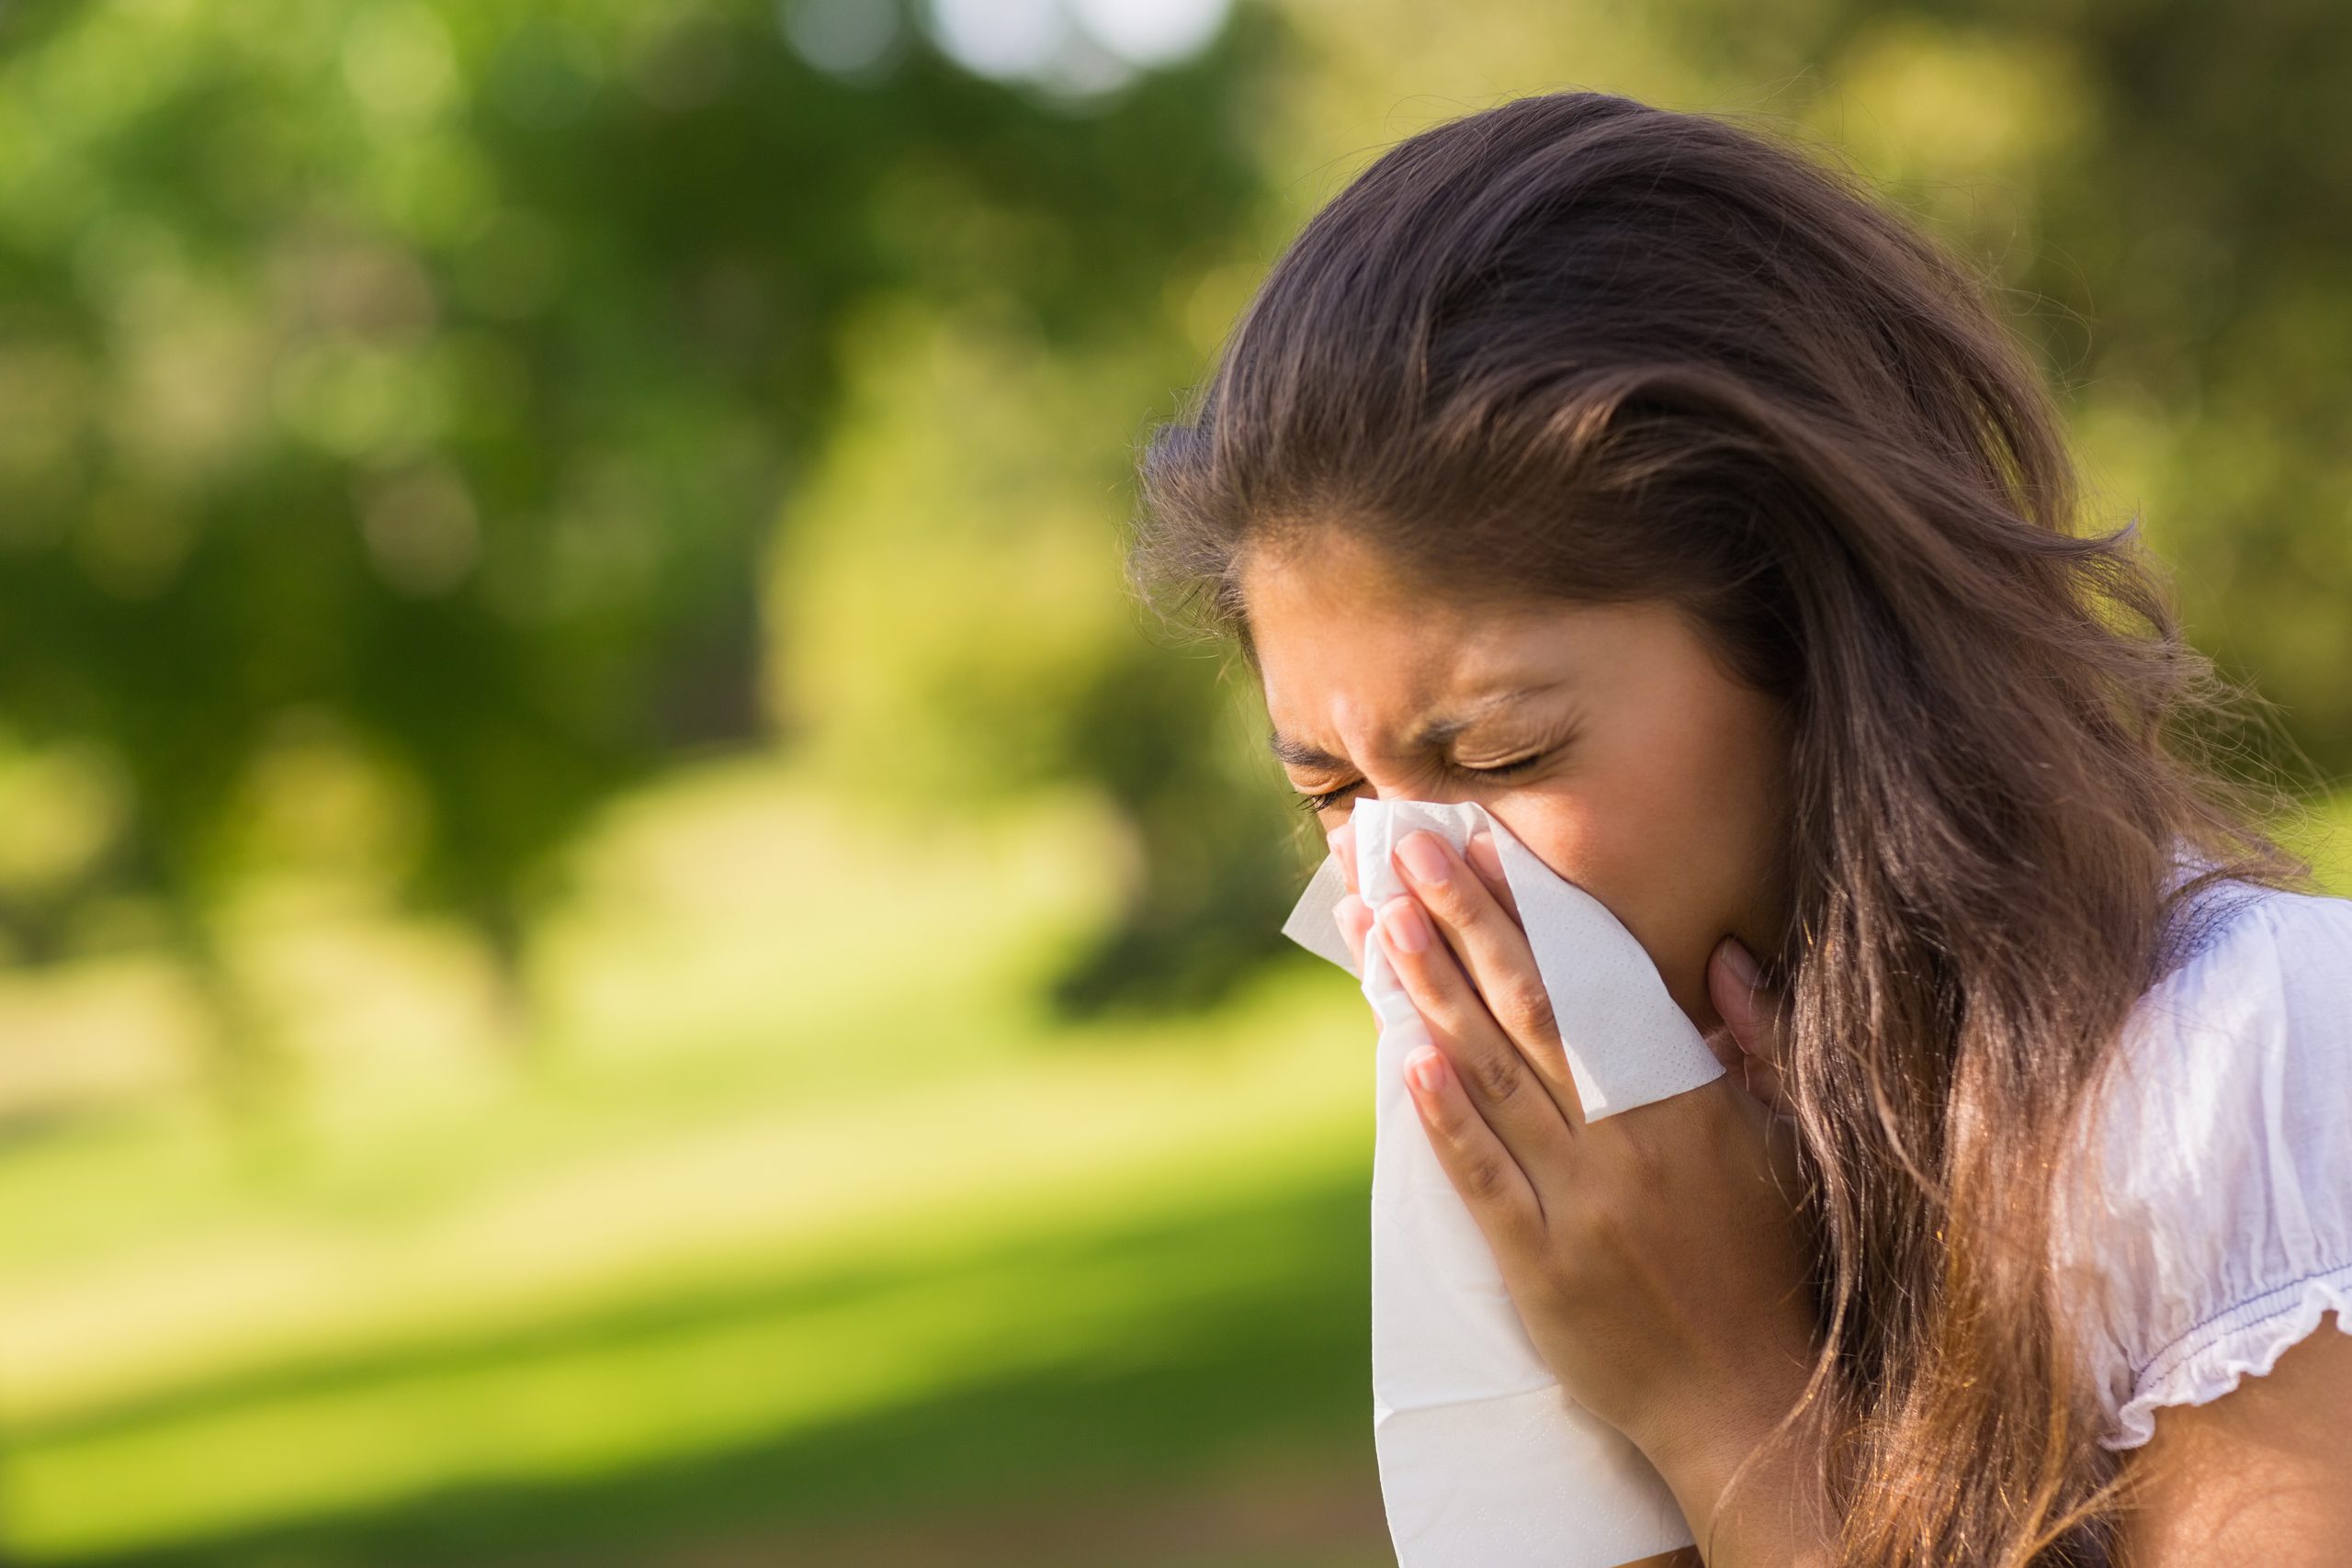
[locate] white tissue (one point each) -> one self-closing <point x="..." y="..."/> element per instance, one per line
<point x="1486" y="1461"/>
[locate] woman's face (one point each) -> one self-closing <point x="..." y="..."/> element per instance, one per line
<point x="1605" y="737"/>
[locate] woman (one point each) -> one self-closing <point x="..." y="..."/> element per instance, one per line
<point x="1641" y="480"/>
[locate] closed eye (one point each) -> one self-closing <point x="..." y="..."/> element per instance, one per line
<point x="1312" y="804"/>
<point x="1324" y="802"/>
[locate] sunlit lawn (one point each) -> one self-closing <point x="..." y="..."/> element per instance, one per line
<point x="806" y="1234"/>
<point x="801" y="1238"/>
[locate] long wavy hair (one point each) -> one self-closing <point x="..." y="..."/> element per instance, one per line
<point x="1578" y="348"/>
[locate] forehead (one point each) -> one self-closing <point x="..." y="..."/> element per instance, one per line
<point x="1341" y="637"/>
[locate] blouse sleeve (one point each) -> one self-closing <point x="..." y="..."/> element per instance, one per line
<point x="2215" y="1229"/>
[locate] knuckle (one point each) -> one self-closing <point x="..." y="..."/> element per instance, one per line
<point x="1529" y="1008"/>
<point x="1521" y="1225"/>
<point x="1497" y="1077"/>
<point x="1451" y="904"/>
<point x="1485" y="1181"/>
<point x="1646" y="1159"/>
<point x="1606" y="1234"/>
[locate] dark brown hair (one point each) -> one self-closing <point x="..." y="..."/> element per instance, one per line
<point x="1576" y="347"/>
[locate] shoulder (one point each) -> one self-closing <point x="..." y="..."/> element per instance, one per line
<point x="2259" y="951"/>
<point x="2242" y="1051"/>
<point x="2213" y="1218"/>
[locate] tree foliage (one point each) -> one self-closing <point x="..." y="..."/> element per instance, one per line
<point x="431" y="376"/>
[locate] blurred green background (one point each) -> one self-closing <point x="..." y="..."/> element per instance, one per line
<point x="617" y="947"/>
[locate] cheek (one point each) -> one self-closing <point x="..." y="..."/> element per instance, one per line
<point x="1669" y="830"/>
<point x="1665" y="865"/>
<point x="1663" y="815"/>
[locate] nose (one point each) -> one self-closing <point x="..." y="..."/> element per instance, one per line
<point x="1440" y="793"/>
<point x="1340" y="839"/>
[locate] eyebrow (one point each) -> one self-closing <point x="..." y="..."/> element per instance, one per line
<point x="1434" y="732"/>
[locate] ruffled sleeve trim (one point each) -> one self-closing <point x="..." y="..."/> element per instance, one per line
<point x="2217" y="1354"/>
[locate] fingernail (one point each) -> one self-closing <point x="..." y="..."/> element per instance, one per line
<point x="1406" y="927"/>
<point x="1742" y="961"/>
<point x="1424" y="860"/>
<point x="1427" y="1070"/>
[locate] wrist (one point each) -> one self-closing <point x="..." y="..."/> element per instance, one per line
<point x="1753" y="1490"/>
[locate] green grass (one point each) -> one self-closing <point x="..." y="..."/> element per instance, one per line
<point x="1095" y="1220"/>
<point x="1049" y="1369"/>
<point x="744" y="1271"/>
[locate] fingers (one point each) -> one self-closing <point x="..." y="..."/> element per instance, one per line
<point x="1355" y="925"/>
<point x="1751" y="1016"/>
<point x="1486" y="858"/>
<point x="1492" y="1182"/>
<point x="1494" y="953"/>
<point x="1354" y="917"/>
<point x="1342" y="840"/>
<point x="1497" y="1079"/>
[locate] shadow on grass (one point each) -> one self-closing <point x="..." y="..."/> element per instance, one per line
<point x="1269" y="1364"/>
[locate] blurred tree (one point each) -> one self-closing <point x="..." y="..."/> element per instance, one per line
<point x="2162" y="196"/>
<point x="2201" y="221"/>
<point x="427" y="375"/>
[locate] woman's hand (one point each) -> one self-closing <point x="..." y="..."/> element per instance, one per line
<point x="1657" y="1257"/>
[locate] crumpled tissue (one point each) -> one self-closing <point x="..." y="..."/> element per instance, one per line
<point x="1486" y="1461"/>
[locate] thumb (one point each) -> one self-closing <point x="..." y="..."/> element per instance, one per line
<point x="1750" y="1014"/>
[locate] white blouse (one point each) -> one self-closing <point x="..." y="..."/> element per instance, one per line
<point x="2208" y="1226"/>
